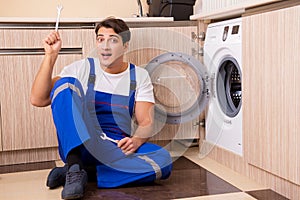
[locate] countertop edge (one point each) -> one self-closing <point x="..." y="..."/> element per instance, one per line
<point x="80" y="20"/>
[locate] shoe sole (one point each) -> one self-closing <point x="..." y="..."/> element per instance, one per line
<point x="75" y="196"/>
<point x="51" y="187"/>
<point x="78" y="196"/>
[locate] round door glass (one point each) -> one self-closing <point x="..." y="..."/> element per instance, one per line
<point x="176" y="86"/>
<point x="180" y="87"/>
<point x="229" y="87"/>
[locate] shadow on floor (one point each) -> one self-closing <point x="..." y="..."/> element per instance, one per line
<point x="187" y="180"/>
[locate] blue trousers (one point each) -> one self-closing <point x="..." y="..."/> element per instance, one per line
<point x="76" y="127"/>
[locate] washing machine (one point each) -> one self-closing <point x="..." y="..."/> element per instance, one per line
<point x="223" y="58"/>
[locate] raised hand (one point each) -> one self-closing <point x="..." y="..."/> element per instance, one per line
<point x="52" y="43"/>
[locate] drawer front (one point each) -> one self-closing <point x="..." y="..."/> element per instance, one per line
<point x="30" y="38"/>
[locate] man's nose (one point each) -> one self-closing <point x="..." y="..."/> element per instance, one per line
<point x="105" y="44"/>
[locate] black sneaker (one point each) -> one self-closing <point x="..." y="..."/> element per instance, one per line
<point x="76" y="181"/>
<point x="57" y="177"/>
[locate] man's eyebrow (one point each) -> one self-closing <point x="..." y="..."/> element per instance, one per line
<point x="117" y="36"/>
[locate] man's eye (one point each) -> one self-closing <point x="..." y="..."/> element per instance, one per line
<point x="114" y="40"/>
<point x="100" y="39"/>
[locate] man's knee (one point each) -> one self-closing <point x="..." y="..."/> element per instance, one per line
<point x="67" y="85"/>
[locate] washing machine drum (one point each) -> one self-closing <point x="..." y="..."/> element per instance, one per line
<point x="229" y="86"/>
<point x="180" y="87"/>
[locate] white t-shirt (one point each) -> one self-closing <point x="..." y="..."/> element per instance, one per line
<point x="111" y="83"/>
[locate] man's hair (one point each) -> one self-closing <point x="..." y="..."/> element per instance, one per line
<point x="118" y="25"/>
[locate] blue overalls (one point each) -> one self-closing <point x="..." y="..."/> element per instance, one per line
<point x="80" y="118"/>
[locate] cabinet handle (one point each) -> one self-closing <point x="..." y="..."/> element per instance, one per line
<point x="36" y="51"/>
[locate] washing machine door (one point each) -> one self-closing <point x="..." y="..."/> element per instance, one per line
<point x="180" y="84"/>
<point x="229" y="86"/>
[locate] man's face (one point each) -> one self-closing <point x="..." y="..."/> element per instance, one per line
<point x="110" y="47"/>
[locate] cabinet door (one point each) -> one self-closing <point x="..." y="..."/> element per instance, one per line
<point x="89" y="43"/>
<point x="23" y="125"/>
<point x="271" y="75"/>
<point x="1" y="148"/>
<point x="146" y="44"/>
<point x="32" y="38"/>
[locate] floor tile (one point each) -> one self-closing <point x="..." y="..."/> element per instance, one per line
<point x="266" y="195"/>
<point x="230" y="196"/>
<point x="234" y="178"/>
<point x="26" y="186"/>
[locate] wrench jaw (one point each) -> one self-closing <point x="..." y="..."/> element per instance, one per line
<point x="105" y="137"/>
<point x="102" y="137"/>
<point x="59" y="9"/>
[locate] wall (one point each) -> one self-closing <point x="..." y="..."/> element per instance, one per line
<point x="72" y="8"/>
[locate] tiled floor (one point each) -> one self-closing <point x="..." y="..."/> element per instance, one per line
<point x="204" y="180"/>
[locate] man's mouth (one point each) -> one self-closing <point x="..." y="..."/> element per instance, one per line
<point x="106" y="54"/>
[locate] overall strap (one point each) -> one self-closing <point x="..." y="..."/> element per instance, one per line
<point x="90" y="98"/>
<point x="91" y="83"/>
<point x="132" y="89"/>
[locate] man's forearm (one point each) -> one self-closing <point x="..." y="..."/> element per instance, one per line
<point x="42" y="85"/>
<point x="143" y="134"/>
<point x="145" y="121"/>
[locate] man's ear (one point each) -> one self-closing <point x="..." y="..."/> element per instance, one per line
<point x="126" y="45"/>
